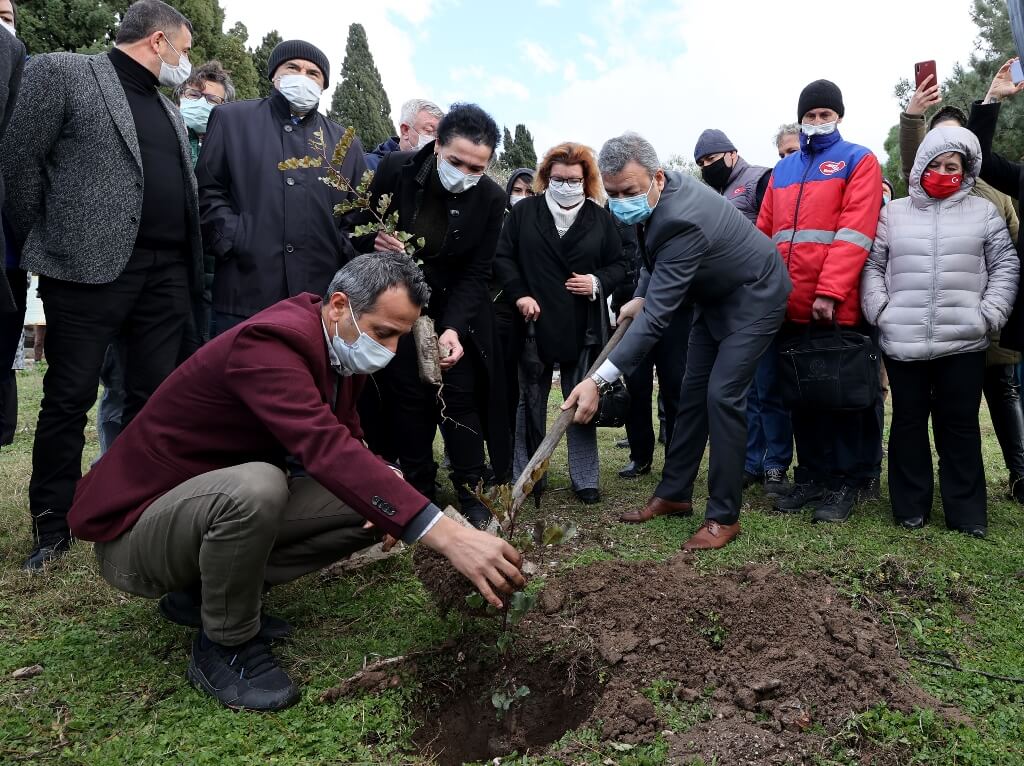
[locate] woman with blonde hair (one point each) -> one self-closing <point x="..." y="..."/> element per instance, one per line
<point x="559" y="255"/>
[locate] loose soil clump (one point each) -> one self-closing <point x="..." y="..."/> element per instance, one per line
<point x="770" y="660"/>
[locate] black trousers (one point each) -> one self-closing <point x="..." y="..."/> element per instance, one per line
<point x="956" y="381"/>
<point x="669" y="357"/>
<point x="837" y="447"/>
<point x="411" y="412"/>
<point x="12" y="323"/>
<point x="1002" y="394"/>
<point x="147" y="307"/>
<point x="713" y="402"/>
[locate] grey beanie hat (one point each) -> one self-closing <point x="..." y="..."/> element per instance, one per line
<point x="712" y="141"/>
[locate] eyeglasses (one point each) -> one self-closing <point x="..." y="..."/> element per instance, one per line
<point x="574" y="183"/>
<point x="192" y="94"/>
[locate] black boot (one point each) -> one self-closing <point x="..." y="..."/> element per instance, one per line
<point x="476" y="513"/>
<point x="244" y="677"/>
<point x="51" y="539"/>
<point x="1002" y="394"/>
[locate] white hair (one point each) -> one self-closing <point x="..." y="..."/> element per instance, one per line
<point x="629" y="147"/>
<point x="414" y="106"/>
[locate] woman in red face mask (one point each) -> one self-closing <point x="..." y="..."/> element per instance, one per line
<point x="941" y="276"/>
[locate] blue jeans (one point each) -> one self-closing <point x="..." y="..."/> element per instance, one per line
<point x="111" y="411"/>
<point x="769" y="427"/>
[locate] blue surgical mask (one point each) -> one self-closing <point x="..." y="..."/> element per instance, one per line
<point x="364" y="356"/>
<point x="196" y="113"/>
<point x="632" y="210"/>
<point x="453" y="179"/>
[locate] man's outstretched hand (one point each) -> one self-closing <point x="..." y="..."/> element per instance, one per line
<point x="490" y="563"/>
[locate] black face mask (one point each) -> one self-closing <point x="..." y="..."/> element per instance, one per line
<point x="716" y="175"/>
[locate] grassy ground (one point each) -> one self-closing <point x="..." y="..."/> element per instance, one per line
<point x="113" y="689"/>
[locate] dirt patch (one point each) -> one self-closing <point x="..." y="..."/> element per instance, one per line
<point x="446" y="586"/>
<point x="778" y="661"/>
<point x="463" y="722"/>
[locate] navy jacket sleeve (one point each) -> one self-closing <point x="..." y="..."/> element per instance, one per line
<point x="217" y="214"/>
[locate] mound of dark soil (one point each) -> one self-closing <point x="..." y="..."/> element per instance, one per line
<point x="768" y="655"/>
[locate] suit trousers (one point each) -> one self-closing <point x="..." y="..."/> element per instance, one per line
<point x="233" y="531"/>
<point x="146" y="306"/>
<point x="409" y="414"/>
<point x="712" y="403"/>
<point x="669" y="357"/>
<point x="956" y="381"/>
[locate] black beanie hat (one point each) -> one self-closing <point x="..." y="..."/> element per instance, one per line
<point x="298" y="49"/>
<point x="820" y="94"/>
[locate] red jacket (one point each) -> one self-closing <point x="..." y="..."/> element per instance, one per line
<point x="256" y="393"/>
<point x="836" y="190"/>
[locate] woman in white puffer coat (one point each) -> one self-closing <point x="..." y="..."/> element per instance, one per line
<point x="942" y="275"/>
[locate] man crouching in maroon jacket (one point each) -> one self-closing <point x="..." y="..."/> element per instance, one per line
<point x="193" y="498"/>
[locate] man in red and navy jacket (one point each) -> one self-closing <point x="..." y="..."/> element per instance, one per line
<point x="821" y="210"/>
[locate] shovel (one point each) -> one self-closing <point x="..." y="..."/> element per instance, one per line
<point x="525" y="483"/>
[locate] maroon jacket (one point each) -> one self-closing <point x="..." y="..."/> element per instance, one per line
<point x="259" y="392"/>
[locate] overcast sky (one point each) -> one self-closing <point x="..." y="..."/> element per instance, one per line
<point x="586" y="70"/>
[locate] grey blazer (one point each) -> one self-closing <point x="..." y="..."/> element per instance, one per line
<point x="71" y="162"/>
<point x="699" y="249"/>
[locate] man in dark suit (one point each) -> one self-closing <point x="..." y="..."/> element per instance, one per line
<point x="273" y="234"/>
<point x="193" y="497"/>
<point x="102" y="201"/>
<point x="700" y="250"/>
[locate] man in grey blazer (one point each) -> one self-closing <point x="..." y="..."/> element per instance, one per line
<point x="698" y="249"/>
<point x="102" y="200"/>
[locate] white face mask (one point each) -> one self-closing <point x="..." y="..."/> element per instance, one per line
<point x="823" y="129"/>
<point x="424" y="139"/>
<point x="515" y="199"/>
<point x="300" y="91"/>
<point x="8" y="27"/>
<point x="364" y="356"/>
<point x="566" y="194"/>
<point x="173" y="76"/>
<point x="453" y="179"/>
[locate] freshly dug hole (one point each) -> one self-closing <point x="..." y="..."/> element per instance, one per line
<point x="460" y="723"/>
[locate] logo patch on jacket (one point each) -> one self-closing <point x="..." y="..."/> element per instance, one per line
<point x="739" y="191"/>
<point x="831" y="167"/>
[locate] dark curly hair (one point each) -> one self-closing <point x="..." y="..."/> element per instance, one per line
<point x="471" y="122"/>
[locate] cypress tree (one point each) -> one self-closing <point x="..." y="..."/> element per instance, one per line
<point x="261" y="60"/>
<point x="359" y="100"/>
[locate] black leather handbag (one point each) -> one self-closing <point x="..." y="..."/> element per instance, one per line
<point x="829" y="368"/>
<point x="613" y="407"/>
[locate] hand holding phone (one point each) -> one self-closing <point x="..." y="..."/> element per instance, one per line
<point x="1016" y="72"/>
<point x="928" y="93"/>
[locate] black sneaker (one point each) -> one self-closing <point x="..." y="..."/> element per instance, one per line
<point x="245" y="677"/>
<point x="49" y="546"/>
<point x="588" y="496"/>
<point x="870" y="490"/>
<point x="801" y="496"/>
<point x="837" y="506"/>
<point x="622" y="444"/>
<point x="776" y="482"/>
<point x="182" y="608"/>
<point x="750" y="479"/>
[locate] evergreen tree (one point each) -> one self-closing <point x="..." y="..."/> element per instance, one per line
<point x="78" y="26"/>
<point x="210" y="41"/>
<point x="261" y="60"/>
<point x="238" y="62"/>
<point x="525" y="152"/>
<point x="359" y="100"/>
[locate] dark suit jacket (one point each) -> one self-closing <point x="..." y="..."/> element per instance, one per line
<point x="700" y="249"/>
<point x="73" y="170"/>
<point x="273" y="233"/>
<point x="259" y="392"/>
<point x="1008" y="177"/>
<point x="532" y="260"/>
<point x="12" y="62"/>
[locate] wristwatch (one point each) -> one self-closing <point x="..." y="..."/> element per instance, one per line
<point x="603" y="386"/>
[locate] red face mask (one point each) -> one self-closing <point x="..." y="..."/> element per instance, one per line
<point x="939" y="185"/>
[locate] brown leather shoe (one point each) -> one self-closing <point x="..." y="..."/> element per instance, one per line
<point x="712" y="535"/>
<point x="656" y="506"/>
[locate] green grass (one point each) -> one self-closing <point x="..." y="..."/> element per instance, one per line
<point x="113" y="689"/>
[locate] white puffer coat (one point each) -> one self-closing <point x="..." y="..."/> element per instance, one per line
<point x="942" y="274"/>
